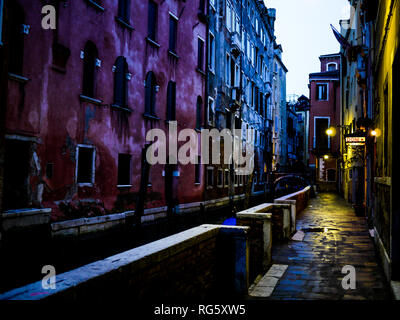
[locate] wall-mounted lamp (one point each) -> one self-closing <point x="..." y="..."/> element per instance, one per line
<point x="326" y="157"/>
<point x="375" y="133"/>
<point x="331" y="131"/>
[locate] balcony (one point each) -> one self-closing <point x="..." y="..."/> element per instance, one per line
<point x="236" y="97"/>
<point x="236" y="44"/>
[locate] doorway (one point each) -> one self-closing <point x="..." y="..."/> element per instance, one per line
<point x="16" y="174"/>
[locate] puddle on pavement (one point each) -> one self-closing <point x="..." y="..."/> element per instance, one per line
<point x="319" y="229"/>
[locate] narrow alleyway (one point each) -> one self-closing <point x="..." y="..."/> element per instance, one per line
<point x="333" y="238"/>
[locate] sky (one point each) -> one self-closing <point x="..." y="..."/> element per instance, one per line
<point x="303" y="29"/>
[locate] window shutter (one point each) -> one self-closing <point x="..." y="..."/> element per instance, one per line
<point x="120" y="82"/>
<point x="171" y="100"/>
<point x="148" y="92"/>
<point x="152" y="20"/>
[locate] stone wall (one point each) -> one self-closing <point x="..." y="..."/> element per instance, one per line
<point x="187" y="265"/>
<point x="301" y="198"/>
<point x="268" y="222"/>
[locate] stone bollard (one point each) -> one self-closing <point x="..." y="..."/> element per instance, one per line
<point x="260" y="239"/>
<point x="292" y="204"/>
<point x="286" y="218"/>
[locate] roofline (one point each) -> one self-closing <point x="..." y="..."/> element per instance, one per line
<point x="330" y="55"/>
<point x="281" y="63"/>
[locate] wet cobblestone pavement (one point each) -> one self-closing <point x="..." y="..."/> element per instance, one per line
<point x="315" y="264"/>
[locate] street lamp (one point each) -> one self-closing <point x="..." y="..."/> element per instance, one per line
<point x="375" y="133"/>
<point x="331" y="131"/>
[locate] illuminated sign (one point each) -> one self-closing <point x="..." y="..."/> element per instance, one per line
<point x="355" y="141"/>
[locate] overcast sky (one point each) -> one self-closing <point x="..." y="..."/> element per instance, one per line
<point x="303" y="29"/>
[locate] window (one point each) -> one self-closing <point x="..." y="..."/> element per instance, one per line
<point x="199" y="109"/>
<point x="228" y="16"/>
<point x="211" y="52"/>
<point x="202" y="6"/>
<point x="331" y="66"/>
<point x="124" y="10"/>
<point x="227" y="69"/>
<point x="210" y="177"/>
<point x="200" y="54"/>
<point x="256" y="95"/>
<point x="89" y="69"/>
<point x="124" y="169"/>
<point x="197" y="171"/>
<point x="226" y="178"/>
<point x="220" y="178"/>
<point x="212" y="2"/>
<point x="322" y="92"/>
<point x="173" y="33"/>
<point x="232" y="72"/>
<point x="120" y="82"/>
<point x="1" y="21"/>
<point x="15" y="37"/>
<point x="171" y="101"/>
<point x="17" y="159"/>
<point x="210" y="110"/>
<point x="150" y="93"/>
<point x="152" y="21"/>
<point x="85" y="164"/>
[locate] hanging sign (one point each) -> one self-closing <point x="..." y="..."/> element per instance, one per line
<point x="355" y="140"/>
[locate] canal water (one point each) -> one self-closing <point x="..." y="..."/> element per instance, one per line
<point x="22" y="256"/>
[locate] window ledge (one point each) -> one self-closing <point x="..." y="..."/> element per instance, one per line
<point x="173" y="54"/>
<point x="17" y="78"/>
<point x="84" y="184"/>
<point x="124" y="186"/>
<point x="150" y="116"/>
<point x="197" y="183"/>
<point x="124" y="23"/>
<point x="201" y="71"/>
<point x="169" y="121"/>
<point x="95" y="5"/>
<point x="82" y="97"/>
<point x="59" y="69"/>
<point x="116" y="106"/>
<point x="152" y="42"/>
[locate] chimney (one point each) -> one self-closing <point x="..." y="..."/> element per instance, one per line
<point x="272" y="18"/>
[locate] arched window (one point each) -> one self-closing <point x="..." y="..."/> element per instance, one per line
<point x="89" y="69"/>
<point x="150" y="92"/>
<point x="171" y="101"/>
<point x="16" y="37"/>
<point x="331" y="66"/>
<point x="120" y="82"/>
<point x="199" y="110"/>
<point x="124" y="10"/>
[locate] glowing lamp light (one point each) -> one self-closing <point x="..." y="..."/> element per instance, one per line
<point x="331" y="131"/>
<point x="375" y="133"/>
<point x="326" y="157"/>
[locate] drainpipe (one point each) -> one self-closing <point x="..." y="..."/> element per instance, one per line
<point x="3" y="102"/>
<point x="205" y="102"/>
